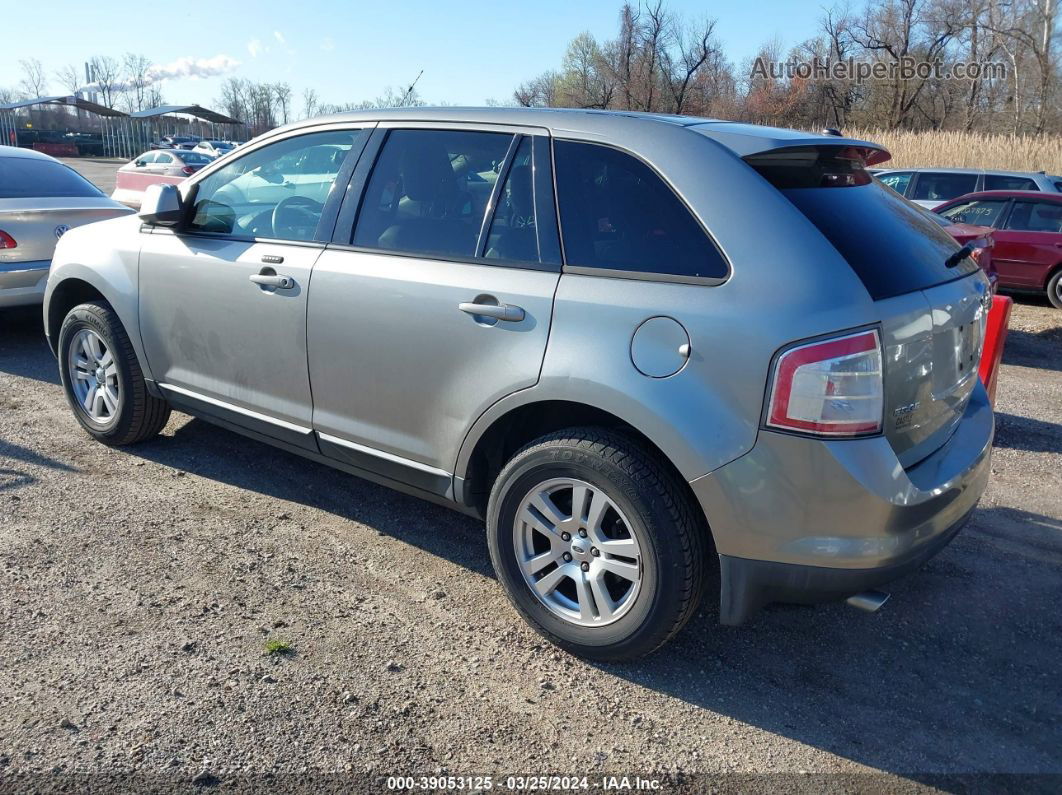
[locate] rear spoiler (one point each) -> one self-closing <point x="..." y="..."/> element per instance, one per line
<point x="750" y="139"/>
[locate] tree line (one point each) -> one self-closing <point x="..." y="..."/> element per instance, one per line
<point x="663" y="61"/>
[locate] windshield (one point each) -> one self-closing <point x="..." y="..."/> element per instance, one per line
<point x="893" y="245"/>
<point x="23" y="177"/>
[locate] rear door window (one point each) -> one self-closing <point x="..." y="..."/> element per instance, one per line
<point x="892" y="245"/>
<point x="617" y="214"/>
<point x="983" y="212"/>
<point x="1036" y="217"/>
<point x="898" y="180"/>
<point x="1004" y="182"/>
<point x="429" y="191"/>
<point x="941" y="186"/>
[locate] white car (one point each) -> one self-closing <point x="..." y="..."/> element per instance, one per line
<point x="931" y="187"/>
<point x="213" y="148"/>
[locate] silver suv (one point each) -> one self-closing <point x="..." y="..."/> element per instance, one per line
<point x="640" y="347"/>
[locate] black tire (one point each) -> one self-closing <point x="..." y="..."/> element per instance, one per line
<point x="672" y="561"/>
<point x="1054" y="289"/>
<point x="139" y="415"/>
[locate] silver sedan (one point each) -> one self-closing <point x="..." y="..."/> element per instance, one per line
<point x="40" y="199"/>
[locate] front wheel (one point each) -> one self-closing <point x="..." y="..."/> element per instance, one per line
<point x="102" y="378"/>
<point x="596" y="544"/>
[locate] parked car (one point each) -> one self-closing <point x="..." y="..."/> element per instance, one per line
<point x="213" y="149"/>
<point x="575" y="325"/>
<point x="979" y="238"/>
<point x="931" y="187"/>
<point x="1027" y="229"/>
<point x="176" y="142"/>
<point x="155" y="168"/>
<point x="40" y="200"/>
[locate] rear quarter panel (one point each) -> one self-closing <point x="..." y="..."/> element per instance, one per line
<point x="787" y="283"/>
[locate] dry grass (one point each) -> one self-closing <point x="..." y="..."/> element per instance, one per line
<point x="968" y="150"/>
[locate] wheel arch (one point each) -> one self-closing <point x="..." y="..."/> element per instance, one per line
<point x="63" y="297"/>
<point x="504" y="430"/>
<point x="73" y="283"/>
<point x="1051" y="273"/>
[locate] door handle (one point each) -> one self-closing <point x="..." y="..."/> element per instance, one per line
<point x="272" y="280"/>
<point x="505" y="312"/>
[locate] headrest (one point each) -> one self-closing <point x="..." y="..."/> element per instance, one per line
<point x="426" y="172"/>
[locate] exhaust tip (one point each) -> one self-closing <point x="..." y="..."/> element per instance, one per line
<point x="869" y="601"/>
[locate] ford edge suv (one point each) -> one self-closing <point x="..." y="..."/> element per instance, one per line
<point x="575" y="325"/>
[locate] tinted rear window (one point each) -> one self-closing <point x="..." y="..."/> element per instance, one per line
<point x="22" y="177"/>
<point x="894" y="246"/>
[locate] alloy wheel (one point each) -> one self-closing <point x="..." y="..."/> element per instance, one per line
<point x="578" y="553"/>
<point x="93" y="375"/>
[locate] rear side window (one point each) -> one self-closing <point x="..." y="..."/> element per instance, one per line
<point x="981" y="212"/>
<point x="1003" y="182"/>
<point x="941" y="186"/>
<point x="892" y="245"/>
<point x="898" y="181"/>
<point x="617" y="214"/>
<point x="23" y="177"/>
<point x="1036" y="217"/>
<point x="429" y="191"/>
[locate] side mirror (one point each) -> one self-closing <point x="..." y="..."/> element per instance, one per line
<point x="161" y="206"/>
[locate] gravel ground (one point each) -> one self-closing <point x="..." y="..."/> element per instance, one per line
<point x="140" y="587"/>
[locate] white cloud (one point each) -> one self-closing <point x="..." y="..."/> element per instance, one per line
<point x="279" y="36"/>
<point x="254" y="47"/>
<point x="194" y="67"/>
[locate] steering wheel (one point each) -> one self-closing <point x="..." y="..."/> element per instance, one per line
<point x="296" y="217"/>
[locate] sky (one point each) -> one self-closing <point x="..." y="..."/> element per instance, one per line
<point x="471" y="51"/>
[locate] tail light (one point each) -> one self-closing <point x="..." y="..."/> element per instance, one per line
<point x="830" y="388"/>
<point x="976" y="255"/>
<point x="188" y="170"/>
<point x="6" y="241"/>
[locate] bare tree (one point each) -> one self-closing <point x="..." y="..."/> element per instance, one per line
<point x="282" y="92"/>
<point x="310" y="103"/>
<point x="106" y="75"/>
<point x="1033" y="29"/>
<point x="136" y="71"/>
<point x="34" y="81"/>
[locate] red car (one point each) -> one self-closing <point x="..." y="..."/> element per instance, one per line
<point x="1027" y="228"/>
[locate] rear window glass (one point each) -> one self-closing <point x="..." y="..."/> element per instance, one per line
<point x="617" y="214"/>
<point x="1002" y="182"/>
<point x="941" y="187"/>
<point x="22" y="177"/>
<point x="893" y="246"/>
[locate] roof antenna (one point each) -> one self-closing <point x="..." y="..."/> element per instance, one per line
<point x="409" y="91"/>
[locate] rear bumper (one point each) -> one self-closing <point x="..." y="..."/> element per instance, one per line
<point x="803" y="520"/>
<point x="22" y="283"/>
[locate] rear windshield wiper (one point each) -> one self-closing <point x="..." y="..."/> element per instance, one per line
<point x="959" y="255"/>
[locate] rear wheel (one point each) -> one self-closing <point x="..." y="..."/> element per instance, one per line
<point x="1054" y="289"/>
<point x="102" y="378"/>
<point x="596" y="544"/>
